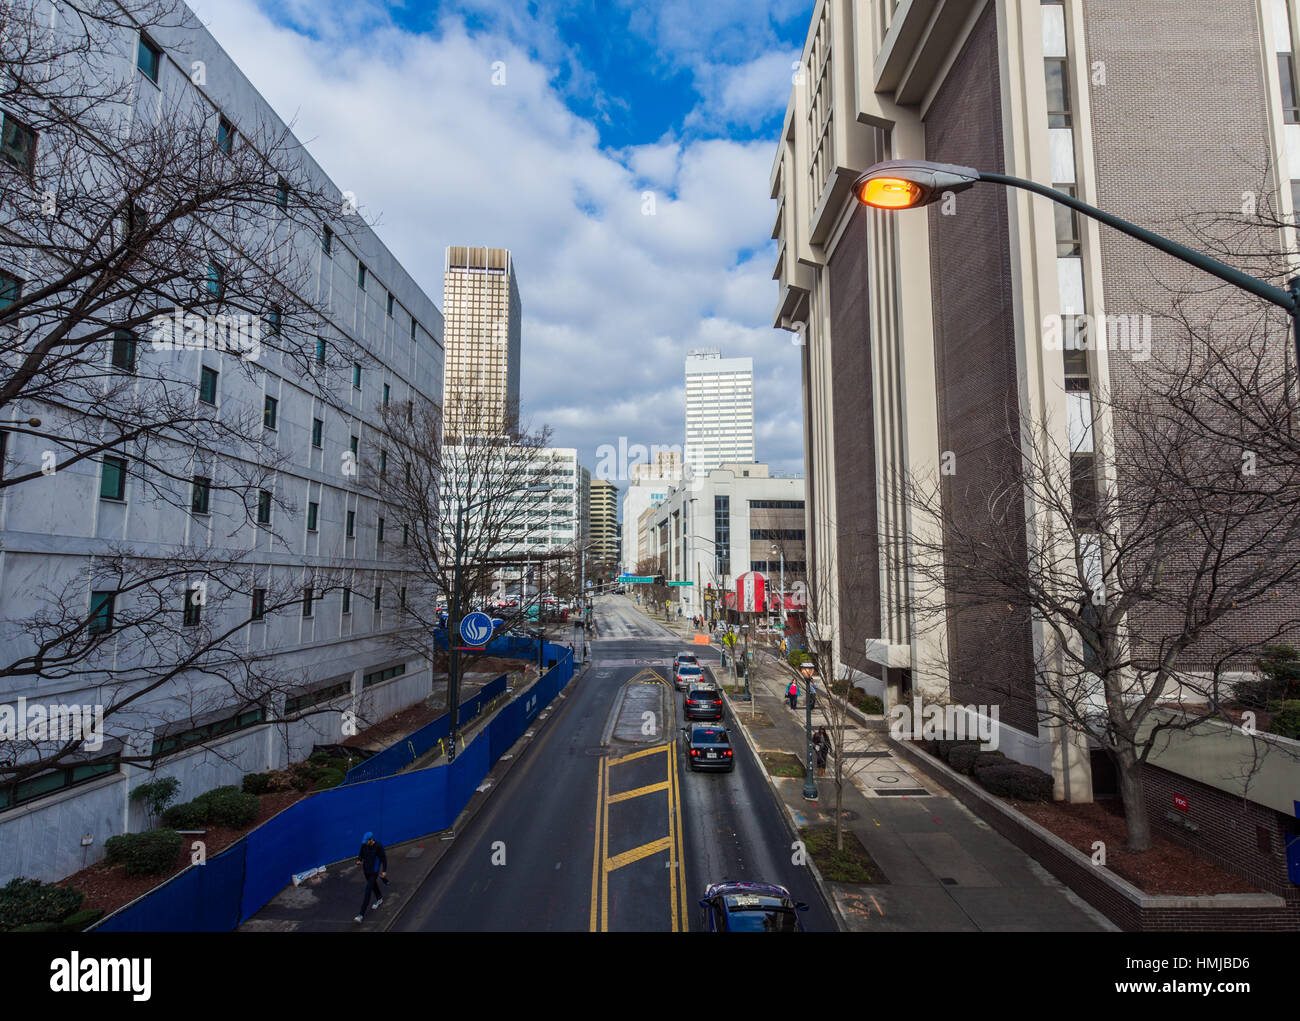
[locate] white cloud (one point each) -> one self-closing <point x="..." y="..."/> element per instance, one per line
<point x="612" y="298"/>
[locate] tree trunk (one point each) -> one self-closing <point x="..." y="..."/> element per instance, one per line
<point x="839" y="812"/>
<point x="1135" y="802"/>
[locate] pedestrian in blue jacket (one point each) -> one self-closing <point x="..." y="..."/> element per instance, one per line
<point x="374" y="866"/>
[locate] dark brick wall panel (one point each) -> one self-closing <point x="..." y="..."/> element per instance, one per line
<point x="991" y="652"/>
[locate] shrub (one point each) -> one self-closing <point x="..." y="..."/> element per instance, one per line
<point x="257" y="783"/>
<point x="985" y="759"/>
<point x="947" y="747"/>
<point x="962" y="758"/>
<point x="190" y="815"/>
<point x="156" y="796"/>
<point x="144" y="854"/>
<point x="30" y="902"/>
<point x="81" y="920"/>
<point x="1279" y="679"/>
<point x="1016" y="780"/>
<point x="1286" y="719"/>
<point x="228" y="806"/>
<point x="326" y="779"/>
<point x="796" y="657"/>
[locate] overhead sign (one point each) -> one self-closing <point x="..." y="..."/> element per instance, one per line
<point x="635" y="579"/>
<point x="476" y="628"/>
<point x="681" y="583"/>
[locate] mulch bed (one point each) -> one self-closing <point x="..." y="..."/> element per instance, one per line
<point x="108" y="887"/>
<point x="782" y="764"/>
<point x="1164" y="869"/>
<point x="851" y="864"/>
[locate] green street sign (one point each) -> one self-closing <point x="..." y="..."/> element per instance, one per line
<point x="636" y="580"/>
<point x="681" y="583"/>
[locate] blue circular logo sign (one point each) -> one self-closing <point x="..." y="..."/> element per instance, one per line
<point x="476" y="628"/>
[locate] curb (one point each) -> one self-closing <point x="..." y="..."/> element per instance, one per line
<point x="831" y="906"/>
<point x="475" y="805"/>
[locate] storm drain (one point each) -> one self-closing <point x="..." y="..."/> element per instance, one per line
<point x="866" y="755"/>
<point x="895" y="793"/>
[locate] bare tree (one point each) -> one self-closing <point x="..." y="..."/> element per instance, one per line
<point x="1158" y="569"/>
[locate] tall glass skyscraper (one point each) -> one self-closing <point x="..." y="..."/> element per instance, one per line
<point x="482" y="316"/>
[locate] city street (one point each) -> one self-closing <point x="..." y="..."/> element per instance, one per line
<point x="595" y="830"/>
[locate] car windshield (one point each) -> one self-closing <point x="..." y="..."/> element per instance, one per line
<point x="706" y="694"/>
<point x="709" y="735"/>
<point x="767" y="916"/>
<point x="686" y="670"/>
<point x="686" y="657"/>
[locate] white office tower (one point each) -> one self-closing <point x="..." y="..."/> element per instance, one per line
<point x="719" y="410"/>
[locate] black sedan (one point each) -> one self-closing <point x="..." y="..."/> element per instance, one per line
<point x="703" y="704"/>
<point x="709" y="747"/>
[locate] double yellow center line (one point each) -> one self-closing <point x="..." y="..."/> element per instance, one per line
<point x="602" y="863"/>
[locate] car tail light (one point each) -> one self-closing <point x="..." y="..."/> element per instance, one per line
<point x="695" y="751"/>
<point x="727" y="754"/>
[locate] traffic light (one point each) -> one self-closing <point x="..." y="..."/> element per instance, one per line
<point x="659" y="579"/>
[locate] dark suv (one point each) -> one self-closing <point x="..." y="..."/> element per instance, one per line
<point x="703" y="704"/>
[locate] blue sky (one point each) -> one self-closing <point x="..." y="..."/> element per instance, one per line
<point x="603" y="101"/>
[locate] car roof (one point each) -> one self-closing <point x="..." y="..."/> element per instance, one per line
<point x="726" y="888"/>
<point x="705" y="691"/>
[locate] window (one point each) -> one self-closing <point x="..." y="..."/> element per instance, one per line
<point x="17" y="144"/>
<point x="351" y="529"/>
<point x="1083" y="490"/>
<point x="379" y="601"/>
<point x="282" y="193"/>
<point x="147" y="58"/>
<point x="319" y="695"/>
<point x="378" y="676"/>
<point x="387" y="391"/>
<point x="320" y="350"/>
<point x="383" y="462"/>
<point x="270" y="412"/>
<point x="1067" y="225"/>
<point x="101" y="612"/>
<point x="317" y="432"/>
<point x="42" y="784"/>
<point x="1058" y="92"/>
<point x="355" y="446"/>
<point x="216" y="278"/>
<point x="776" y="504"/>
<point x="767" y="534"/>
<point x="326" y="240"/>
<point x="401" y="597"/>
<point x="263" y="507"/>
<point x="347" y="599"/>
<point x="307" y="601"/>
<point x="225" y="136"/>
<point x="273" y="321"/>
<point x="112" y="479"/>
<point x="356" y="376"/>
<point x="1286" y="77"/>
<point x="201" y="494"/>
<point x="412" y="327"/>
<point x="123" y="351"/>
<point x="361" y="274"/>
<point x="11" y="289"/>
<point x="208" y="385"/>
<point x="381" y="529"/>
<point x="406" y="533"/>
<point x="259" y="603"/>
<point x="312" y="509"/>
<point x="722" y="534"/>
<point x="193" y="606"/>
<point x="390" y="303"/>
<point x="248" y="717"/>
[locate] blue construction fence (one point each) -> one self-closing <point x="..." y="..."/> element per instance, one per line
<point x="397" y="757"/>
<point x="327" y="827"/>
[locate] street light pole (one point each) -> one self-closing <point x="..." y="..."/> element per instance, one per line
<point x="908" y="184"/>
<point x="453" y="636"/>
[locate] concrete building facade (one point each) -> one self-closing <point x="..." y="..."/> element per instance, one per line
<point x="719" y="410"/>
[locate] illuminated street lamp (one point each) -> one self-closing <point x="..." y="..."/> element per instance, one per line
<point x="910" y="184"/>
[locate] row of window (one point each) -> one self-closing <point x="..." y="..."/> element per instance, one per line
<point x="766" y="534"/>
<point x="774" y="566"/>
<point x="776" y="505"/>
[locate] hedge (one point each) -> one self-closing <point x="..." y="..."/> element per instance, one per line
<point x="1016" y="780"/>
<point x="144" y="854"/>
<point x="28" y="902"/>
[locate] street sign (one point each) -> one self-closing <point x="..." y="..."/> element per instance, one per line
<point x="681" y="583"/>
<point x="476" y="628"/>
<point x="636" y="579"/>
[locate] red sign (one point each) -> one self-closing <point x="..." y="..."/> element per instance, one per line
<point x="1181" y="804"/>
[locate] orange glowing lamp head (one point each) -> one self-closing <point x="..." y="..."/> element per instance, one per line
<point x="890" y="193"/>
<point x="907" y="184"/>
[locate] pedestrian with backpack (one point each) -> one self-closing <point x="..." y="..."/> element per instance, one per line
<point x="373" y="860"/>
<point x="792" y="693"/>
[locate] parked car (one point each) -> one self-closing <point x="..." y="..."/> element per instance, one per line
<point x="703" y="704"/>
<point x="686" y="675"/>
<point x="750" y="907"/>
<point x="708" y="747"/>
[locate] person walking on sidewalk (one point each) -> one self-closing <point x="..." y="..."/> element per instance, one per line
<point x="792" y="693"/>
<point x="822" y="743"/>
<point x="374" y="866"/>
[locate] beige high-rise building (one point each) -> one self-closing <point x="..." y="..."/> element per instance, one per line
<point x="482" y="317"/>
<point x="603" y="518"/>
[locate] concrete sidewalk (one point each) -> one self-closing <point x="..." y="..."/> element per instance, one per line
<point x="946" y="869"/>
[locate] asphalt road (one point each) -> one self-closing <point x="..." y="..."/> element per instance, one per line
<point x="601" y="825"/>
